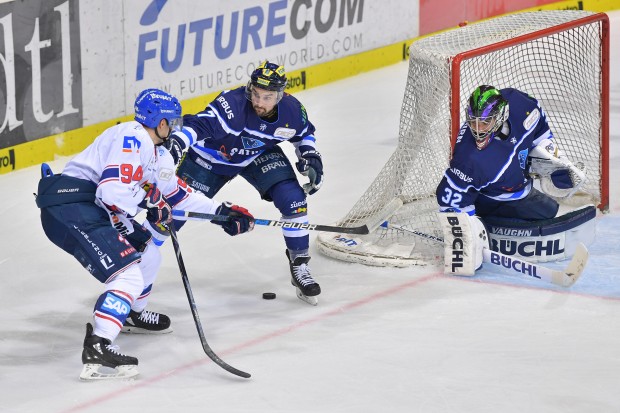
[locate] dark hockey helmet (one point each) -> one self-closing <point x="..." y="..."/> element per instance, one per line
<point x="486" y="112"/>
<point x="268" y="76"/>
<point x="153" y="105"/>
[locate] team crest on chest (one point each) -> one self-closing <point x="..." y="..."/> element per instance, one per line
<point x="251" y="143"/>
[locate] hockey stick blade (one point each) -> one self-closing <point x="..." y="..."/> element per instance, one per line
<point x="192" y="304"/>
<point x="361" y="230"/>
<point x="564" y="278"/>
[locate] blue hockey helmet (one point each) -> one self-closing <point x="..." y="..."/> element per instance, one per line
<point x="153" y="105"/>
<point x="486" y="112"/>
<point x="268" y="76"/>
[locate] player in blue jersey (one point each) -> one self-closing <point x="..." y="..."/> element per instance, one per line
<point x="490" y="173"/>
<point x="89" y="211"/>
<point x="505" y="140"/>
<point x="239" y="133"/>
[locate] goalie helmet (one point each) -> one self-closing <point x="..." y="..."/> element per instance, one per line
<point x="153" y="105"/>
<point x="486" y="112"/>
<point x="268" y="76"/>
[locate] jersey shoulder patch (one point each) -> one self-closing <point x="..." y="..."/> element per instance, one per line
<point x="532" y="119"/>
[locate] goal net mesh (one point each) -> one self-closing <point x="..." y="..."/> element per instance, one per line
<point x="551" y="55"/>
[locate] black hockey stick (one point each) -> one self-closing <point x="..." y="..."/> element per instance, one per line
<point x="361" y="230"/>
<point x="192" y="305"/>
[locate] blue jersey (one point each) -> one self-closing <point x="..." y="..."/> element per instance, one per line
<point x="499" y="171"/>
<point x="229" y="134"/>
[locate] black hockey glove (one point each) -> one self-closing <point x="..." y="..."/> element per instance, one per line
<point x="311" y="165"/>
<point x="240" y="219"/>
<point x="158" y="209"/>
<point x="175" y="148"/>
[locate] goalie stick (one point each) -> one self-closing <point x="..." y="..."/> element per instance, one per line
<point x="192" y="305"/>
<point x="360" y="230"/>
<point x="564" y="278"/>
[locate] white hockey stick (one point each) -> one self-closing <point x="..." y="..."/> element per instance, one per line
<point x="564" y="278"/>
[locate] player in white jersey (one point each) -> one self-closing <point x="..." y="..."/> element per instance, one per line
<point x="88" y="211"/>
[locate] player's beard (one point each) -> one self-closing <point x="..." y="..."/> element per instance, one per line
<point x="260" y="111"/>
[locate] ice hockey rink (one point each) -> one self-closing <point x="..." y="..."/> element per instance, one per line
<point x="381" y="339"/>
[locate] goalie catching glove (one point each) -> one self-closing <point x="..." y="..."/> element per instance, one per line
<point x="558" y="176"/>
<point x="240" y="220"/>
<point x="158" y="209"/>
<point x="310" y="164"/>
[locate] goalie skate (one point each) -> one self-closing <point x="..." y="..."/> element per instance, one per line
<point x="102" y="361"/>
<point x="306" y="288"/>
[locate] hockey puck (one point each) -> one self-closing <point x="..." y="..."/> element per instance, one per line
<point x="269" y="296"/>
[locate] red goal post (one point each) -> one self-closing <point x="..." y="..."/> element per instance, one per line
<point x="600" y="19"/>
<point x="561" y="57"/>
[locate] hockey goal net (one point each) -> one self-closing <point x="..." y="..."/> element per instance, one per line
<point x="559" y="57"/>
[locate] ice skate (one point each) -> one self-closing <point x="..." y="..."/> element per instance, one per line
<point x="307" y="288"/>
<point x="102" y="360"/>
<point x="146" y="322"/>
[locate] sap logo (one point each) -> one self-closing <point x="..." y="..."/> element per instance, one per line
<point x="131" y="144"/>
<point x="8" y="160"/>
<point x="226" y="106"/>
<point x="462" y="176"/>
<point x="349" y="242"/>
<point x="517" y="265"/>
<point x="115" y="305"/>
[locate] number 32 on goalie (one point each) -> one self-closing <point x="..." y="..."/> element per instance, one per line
<point x="451" y="198"/>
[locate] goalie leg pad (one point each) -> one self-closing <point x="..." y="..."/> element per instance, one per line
<point x="465" y="237"/>
<point x="544" y="240"/>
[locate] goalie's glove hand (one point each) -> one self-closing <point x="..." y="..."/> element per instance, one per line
<point x="311" y="165"/>
<point x="158" y="211"/>
<point x="174" y="146"/>
<point x="240" y="220"/>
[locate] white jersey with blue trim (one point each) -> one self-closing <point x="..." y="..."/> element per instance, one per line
<point x="122" y="160"/>
<point x="229" y="134"/>
<point x="499" y="171"/>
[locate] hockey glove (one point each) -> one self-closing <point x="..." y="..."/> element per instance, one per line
<point x="158" y="209"/>
<point x="240" y="220"/>
<point x="174" y="147"/>
<point x="311" y="165"/>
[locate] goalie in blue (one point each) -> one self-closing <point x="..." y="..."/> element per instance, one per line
<point x="504" y="143"/>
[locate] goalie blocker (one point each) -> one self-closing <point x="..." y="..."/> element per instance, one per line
<point x="465" y="238"/>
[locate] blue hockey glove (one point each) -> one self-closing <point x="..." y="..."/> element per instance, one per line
<point x="240" y="220"/>
<point x="311" y="165"/>
<point x="158" y="211"/>
<point x="175" y="148"/>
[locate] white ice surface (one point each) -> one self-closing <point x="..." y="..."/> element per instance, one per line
<point x="380" y="340"/>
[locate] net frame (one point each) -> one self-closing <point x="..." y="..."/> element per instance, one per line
<point x="433" y="104"/>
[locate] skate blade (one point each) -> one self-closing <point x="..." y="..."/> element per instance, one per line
<point x="309" y="300"/>
<point x="138" y="330"/>
<point x="98" y="372"/>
